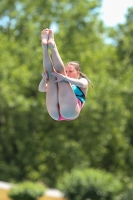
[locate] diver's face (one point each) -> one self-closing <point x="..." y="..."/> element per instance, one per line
<point x="71" y="71"/>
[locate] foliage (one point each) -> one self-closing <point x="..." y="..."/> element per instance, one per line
<point x="90" y="183"/>
<point x="34" y="146"/>
<point x="26" y="190"/>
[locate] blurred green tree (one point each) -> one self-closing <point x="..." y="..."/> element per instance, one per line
<point x="34" y="146"/>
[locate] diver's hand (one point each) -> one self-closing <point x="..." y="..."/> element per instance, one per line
<point x="60" y="77"/>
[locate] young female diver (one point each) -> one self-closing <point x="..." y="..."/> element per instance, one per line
<point x="65" y="92"/>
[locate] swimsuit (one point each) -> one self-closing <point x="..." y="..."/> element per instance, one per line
<point x="80" y="100"/>
<point x="79" y="94"/>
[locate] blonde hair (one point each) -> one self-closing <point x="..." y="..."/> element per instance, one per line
<point x="78" y="68"/>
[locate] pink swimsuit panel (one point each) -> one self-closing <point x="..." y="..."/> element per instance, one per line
<point x="62" y="118"/>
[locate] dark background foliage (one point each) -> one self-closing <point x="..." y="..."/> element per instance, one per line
<point x="32" y="145"/>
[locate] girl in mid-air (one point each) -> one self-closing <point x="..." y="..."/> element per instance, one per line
<point x="65" y="92"/>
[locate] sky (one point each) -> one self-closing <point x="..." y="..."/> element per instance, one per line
<point x="113" y="11"/>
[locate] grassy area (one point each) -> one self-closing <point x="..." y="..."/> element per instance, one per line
<point x="4" y="196"/>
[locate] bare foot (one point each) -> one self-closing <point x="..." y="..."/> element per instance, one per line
<point x="44" y="36"/>
<point x="51" y="42"/>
